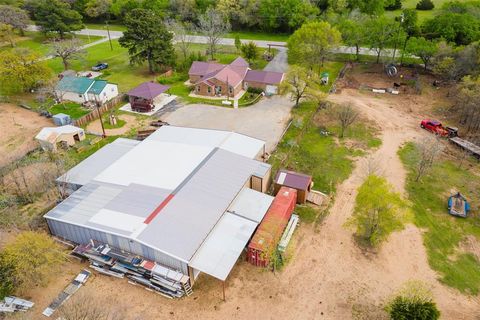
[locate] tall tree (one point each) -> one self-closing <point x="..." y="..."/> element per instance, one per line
<point x="15" y="17"/>
<point x="249" y="51"/>
<point x="21" y="70"/>
<point x="353" y="33"/>
<point x="67" y="50"/>
<point x="285" y="15"/>
<point x="301" y="85"/>
<point x="34" y="257"/>
<point x="183" y="37"/>
<point x="213" y="25"/>
<point x="461" y="28"/>
<point x="57" y="16"/>
<point x="313" y="42"/>
<point x="147" y="39"/>
<point x="422" y="48"/>
<point x="98" y="8"/>
<point x="381" y="33"/>
<point x="346" y="116"/>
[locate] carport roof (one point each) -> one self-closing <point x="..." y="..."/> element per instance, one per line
<point x="267" y="77"/>
<point x="148" y="90"/>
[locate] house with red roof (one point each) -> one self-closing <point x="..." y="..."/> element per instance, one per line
<point x="215" y="79"/>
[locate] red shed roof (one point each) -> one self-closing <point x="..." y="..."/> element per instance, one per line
<point x="293" y="179"/>
<point x="268" y="77"/>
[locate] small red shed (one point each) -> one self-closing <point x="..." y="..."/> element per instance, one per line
<point x="299" y="181"/>
<point x="270" y="230"/>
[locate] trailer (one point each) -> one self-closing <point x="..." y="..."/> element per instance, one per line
<point x="466" y="145"/>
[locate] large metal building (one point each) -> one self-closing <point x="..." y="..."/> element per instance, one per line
<point x="183" y="198"/>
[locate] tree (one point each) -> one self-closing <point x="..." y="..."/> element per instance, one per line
<point x="15" y="17"/>
<point x="7" y="277"/>
<point x="183" y="36"/>
<point x="313" y="42"/>
<point x="422" y="48"/>
<point x="381" y="32"/>
<point x="396" y="5"/>
<point x="249" y="51"/>
<point x="428" y="150"/>
<point x="353" y="34"/>
<point x="467" y="102"/>
<point x="34" y="257"/>
<point x="213" y="25"/>
<point x="21" y="70"/>
<point x="98" y="308"/>
<point x="346" y="116"/>
<point x="7" y="34"/>
<point x="300" y="85"/>
<point x="414" y="301"/>
<point x="97" y="8"/>
<point x="453" y="27"/>
<point x="285" y="15"/>
<point x="68" y="50"/>
<point x="425" y="5"/>
<point x="147" y="39"/>
<point x="378" y="211"/>
<point x="57" y="16"/>
<point x="409" y="26"/>
<point x="238" y="43"/>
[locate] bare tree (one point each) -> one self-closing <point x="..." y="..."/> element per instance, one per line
<point x="213" y="25"/>
<point x="346" y="116"/>
<point x="68" y="50"/>
<point x="428" y="150"/>
<point x="183" y="37"/>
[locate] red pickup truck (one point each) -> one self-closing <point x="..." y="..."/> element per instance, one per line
<point x="437" y="128"/>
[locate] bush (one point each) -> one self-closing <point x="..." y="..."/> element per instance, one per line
<point x="176" y="77"/>
<point x="396" y="5"/>
<point x="413" y="301"/>
<point x="425" y="5"/>
<point x="254" y="90"/>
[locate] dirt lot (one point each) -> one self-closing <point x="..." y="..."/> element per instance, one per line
<point x="265" y="120"/>
<point x="329" y="277"/>
<point x="18" y="128"/>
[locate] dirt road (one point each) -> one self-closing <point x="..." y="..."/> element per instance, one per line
<point x="328" y="277"/>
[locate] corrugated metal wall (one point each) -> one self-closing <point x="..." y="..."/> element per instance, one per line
<point x="83" y="235"/>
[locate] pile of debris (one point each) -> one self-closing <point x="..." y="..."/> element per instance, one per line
<point x="73" y="287"/>
<point x="13" y="304"/>
<point x="118" y="263"/>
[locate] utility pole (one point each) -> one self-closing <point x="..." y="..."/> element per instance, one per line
<point x="100" y="116"/>
<point x="109" y="38"/>
<point x="398" y="35"/>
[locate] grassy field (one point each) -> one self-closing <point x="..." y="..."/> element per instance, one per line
<point x="253" y="35"/>
<point x="102" y="26"/>
<point x="74" y="110"/>
<point x="37" y="42"/>
<point x="422" y="14"/>
<point x="444" y="234"/>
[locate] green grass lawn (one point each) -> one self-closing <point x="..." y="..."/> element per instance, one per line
<point x="422" y="14"/>
<point x="74" y="110"/>
<point x="102" y="26"/>
<point x="255" y="35"/>
<point x="36" y="41"/>
<point x="443" y="233"/>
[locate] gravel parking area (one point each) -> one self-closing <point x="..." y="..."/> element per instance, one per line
<point x="265" y="120"/>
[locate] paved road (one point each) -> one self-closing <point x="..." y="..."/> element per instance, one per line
<point x="279" y="62"/>
<point x="224" y="41"/>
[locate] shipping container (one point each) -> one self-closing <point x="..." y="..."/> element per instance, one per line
<point x="270" y="230"/>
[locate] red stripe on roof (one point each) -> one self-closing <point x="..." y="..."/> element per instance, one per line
<point x="158" y="209"/>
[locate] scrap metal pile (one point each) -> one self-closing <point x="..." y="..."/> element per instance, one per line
<point x="118" y="263"/>
<point x="13" y="304"/>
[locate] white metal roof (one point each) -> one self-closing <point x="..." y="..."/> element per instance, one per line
<point x="47" y="133"/>
<point x="86" y="170"/>
<point x="227" y="140"/>
<point x="156" y="164"/>
<point x="251" y="204"/>
<point x="220" y="251"/>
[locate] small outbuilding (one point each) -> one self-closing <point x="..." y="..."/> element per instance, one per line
<point x="50" y="137"/>
<point x="61" y="119"/>
<point x="83" y="89"/>
<point x="299" y="181"/>
<point x="144" y="97"/>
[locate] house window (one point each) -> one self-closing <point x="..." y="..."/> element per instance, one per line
<point x="230" y="89"/>
<point x="209" y="89"/>
<point x="198" y="88"/>
<point x="80" y="96"/>
<point x="104" y="94"/>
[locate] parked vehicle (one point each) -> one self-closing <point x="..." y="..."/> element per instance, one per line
<point x="437" y="128"/>
<point x="100" y="66"/>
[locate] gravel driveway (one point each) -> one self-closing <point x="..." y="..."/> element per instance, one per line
<point x="265" y="120"/>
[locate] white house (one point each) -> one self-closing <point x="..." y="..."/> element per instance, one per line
<point x="83" y="89"/>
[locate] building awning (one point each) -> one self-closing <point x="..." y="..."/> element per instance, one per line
<point x="251" y="204"/>
<point x="221" y="249"/>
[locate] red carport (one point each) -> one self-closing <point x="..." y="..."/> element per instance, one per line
<point x="141" y="98"/>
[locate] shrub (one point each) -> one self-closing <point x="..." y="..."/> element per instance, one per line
<point x="425" y="5"/>
<point x="414" y="301"/>
<point x="396" y="5"/>
<point x="254" y="90"/>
